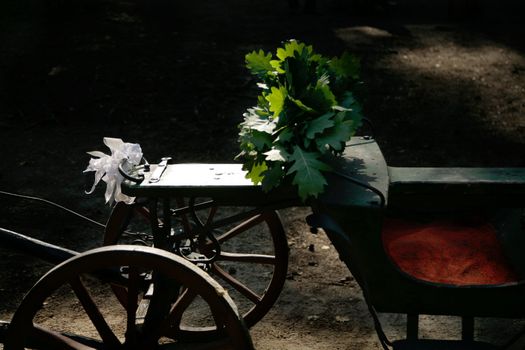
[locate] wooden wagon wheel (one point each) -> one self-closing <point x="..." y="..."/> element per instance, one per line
<point x="238" y="269"/>
<point x="133" y="268"/>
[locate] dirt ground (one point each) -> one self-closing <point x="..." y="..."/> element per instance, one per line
<point x="443" y="88"/>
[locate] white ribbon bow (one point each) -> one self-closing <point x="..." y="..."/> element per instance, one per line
<point x="106" y="167"/>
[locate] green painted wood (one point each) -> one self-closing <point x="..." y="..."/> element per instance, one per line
<point x="226" y="183"/>
<point x="457" y="175"/>
<point x="359" y="244"/>
<point x="457" y="187"/>
<point x="364" y="162"/>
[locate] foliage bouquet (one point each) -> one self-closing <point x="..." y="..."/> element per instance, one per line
<point x="305" y="112"/>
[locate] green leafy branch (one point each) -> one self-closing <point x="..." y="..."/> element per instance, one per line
<point x="305" y="112"/>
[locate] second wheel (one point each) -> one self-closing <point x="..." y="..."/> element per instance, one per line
<point x="244" y="249"/>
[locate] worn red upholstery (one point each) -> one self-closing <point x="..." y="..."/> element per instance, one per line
<point x="447" y="251"/>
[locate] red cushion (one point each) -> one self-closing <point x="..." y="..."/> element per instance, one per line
<point x="448" y="252"/>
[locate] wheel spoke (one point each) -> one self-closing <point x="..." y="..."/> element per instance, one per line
<point x="94" y="313"/>
<point x="181" y="305"/>
<point x="177" y="310"/>
<point x="235" y="283"/>
<point x="211" y="216"/>
<point x="132" y="305"/>
<point x="45" y="338"/>
<point x="159" y="307"/>
<point x="246" y="225"/>
<point x="248" y="258"/>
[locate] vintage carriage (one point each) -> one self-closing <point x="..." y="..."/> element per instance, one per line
<point x="443" y="241"/>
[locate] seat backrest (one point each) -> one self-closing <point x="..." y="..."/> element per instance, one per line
<point x="456" y="187"/>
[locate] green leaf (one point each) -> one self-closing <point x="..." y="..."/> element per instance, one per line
<point x="285" y="135"/>
<point x="259" y="62"/>
<point x="301" y="105"/>
<point x="276" y="100"/>
<point x="308" y="177"/>
<point x="254" y="121"/>
<point x="352" y="109"/>
<point x="346" y="66"/>
<point x="324" y="79"/>
<point x="318" y="125"/>
<point x="291" y="47"/>
<point x="348" y="100"/>
<point x="298" y="74"/>
<point x="305" y="110"/>
<point x="336" y="136"/>
<point x="320" y="99"/>
<point x="273" y="176"/>
<point x="255" y="173"/>
<point x="276" y="65"/>
<point x="261" y="140"/>
<point x="276" y="154"/>
<point x="341" y="109"/>
<point x="324" y="91"/>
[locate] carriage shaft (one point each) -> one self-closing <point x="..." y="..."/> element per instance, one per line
<point x="34" y="247"/>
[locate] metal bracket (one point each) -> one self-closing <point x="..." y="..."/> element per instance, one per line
<point x="161" y="167"/>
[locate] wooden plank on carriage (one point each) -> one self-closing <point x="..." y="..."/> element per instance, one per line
<point x="227" y="183"/>
<point x="363" y="163"/>
<point x="457" y="186"/>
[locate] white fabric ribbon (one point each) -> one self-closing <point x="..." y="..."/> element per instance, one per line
<point x="106" y="167"/>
